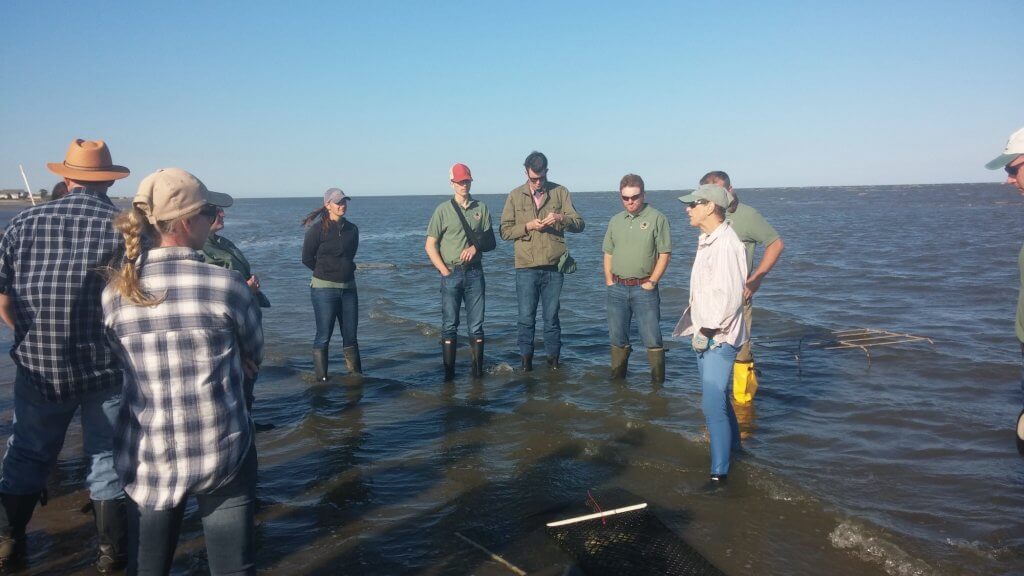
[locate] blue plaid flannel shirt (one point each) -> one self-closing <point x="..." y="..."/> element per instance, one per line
<point x="184" y="426"/>
<point x="51" y="266"/>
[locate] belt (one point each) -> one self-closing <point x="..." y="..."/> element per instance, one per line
<point x="470" y="266"/>
<point x="630" y="281"/>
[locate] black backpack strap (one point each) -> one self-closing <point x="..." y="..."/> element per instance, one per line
<point x="470" y="236"/>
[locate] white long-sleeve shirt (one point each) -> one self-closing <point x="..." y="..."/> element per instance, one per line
<point x="716" y="287"/>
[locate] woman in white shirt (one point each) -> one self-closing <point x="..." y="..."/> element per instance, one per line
<point x="714" y="317"/>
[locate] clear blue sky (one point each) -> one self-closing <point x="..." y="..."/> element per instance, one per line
<point x="289" y="98"/>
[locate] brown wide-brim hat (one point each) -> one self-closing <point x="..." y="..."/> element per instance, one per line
<point x="88" y="161"/>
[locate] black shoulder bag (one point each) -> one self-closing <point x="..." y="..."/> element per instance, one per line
<point x="485" y="244"/>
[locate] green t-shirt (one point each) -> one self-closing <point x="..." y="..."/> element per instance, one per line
<point x="752" y="229"/>
<point x="1020" y="298"/>
<point x="321" y="283"/>
<point x="446" y="227"/>
<point x="634" y="242"/>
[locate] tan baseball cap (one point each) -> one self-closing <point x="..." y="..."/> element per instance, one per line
<point x="171" y="193"/>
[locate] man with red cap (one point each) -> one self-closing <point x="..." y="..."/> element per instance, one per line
<point x="1012" y="161"/>
<point x="52" y="259"/>
<point x="458" y="234"/>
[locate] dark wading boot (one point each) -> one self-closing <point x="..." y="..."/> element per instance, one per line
<point x="448" y="356"/>
<point x="352" y="360"/>
<point x="110" y="525"/>
<point x="656" y="357"/>
<point x="553" y="363"/>
<point x="527" y="363"/>
<point x="15" y="513"/>
<point x="620" y="361"/>
<point x="477" y="347"/>
<point x="320" y="364"/>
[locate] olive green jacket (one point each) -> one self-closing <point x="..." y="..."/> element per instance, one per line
<point x="538" y="247"/>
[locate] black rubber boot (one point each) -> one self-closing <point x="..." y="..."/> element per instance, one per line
<point x="448" y="357"/>
<point x="656" y="357"/>
<point x="477" y="347"/>
<point x="320" y="364"/>
<point x="620" y="361"/>
<point x="553" y="363"/>
<point x="528" y="363"/>
<point x="352" y="360"/>
<point x="110" y="525"/>
<point x="15" y="513"/>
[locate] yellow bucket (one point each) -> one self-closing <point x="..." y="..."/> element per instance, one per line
<point x="744" y="382"/>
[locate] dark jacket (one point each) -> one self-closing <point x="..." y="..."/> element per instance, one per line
<point x="331" y="253"/>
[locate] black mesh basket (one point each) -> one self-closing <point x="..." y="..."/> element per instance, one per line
<point x="628" y="541"/>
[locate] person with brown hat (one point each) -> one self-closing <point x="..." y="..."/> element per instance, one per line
<point x="187" y="429"/>
<point x="458" y="234"/>
<point x="51" y="257"/>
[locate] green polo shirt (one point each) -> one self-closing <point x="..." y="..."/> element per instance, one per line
<point x="446" y="227"/>
<point x="634" y="242"/>
<point x="752" y="229"/>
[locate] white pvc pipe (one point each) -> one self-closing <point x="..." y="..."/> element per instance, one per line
<point x="598" y="515"/>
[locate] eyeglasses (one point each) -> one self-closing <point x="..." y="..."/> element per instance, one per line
<point x="463" y="182"/>
<point x="538" y="179"/>
<point x="210" y="211"/>
<point x="695" y="203"/>
<point x="1012" y="171"/>
<point x="631" y="198"/>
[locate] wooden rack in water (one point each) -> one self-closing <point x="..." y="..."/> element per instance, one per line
<point x="859" y="338"/>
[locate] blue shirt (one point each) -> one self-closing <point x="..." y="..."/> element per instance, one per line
<point x="52" y="261"/>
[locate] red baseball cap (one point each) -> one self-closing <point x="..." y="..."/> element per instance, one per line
<point x="461" y="172"/>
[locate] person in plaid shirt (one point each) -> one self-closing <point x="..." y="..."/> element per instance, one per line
<point x="188" y="334"/>
<point x="51" y="258"/>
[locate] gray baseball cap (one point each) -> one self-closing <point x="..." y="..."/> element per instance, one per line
<point x="334" y="195"/>
<point x="710" y="192"/>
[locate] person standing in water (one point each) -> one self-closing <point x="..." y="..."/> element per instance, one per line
<point x="714" y="317"/>
<point x="1012" y="160"/>
<point x="637" y="247"/>
<point x="458" y="234"/>
<point x="752" y="230"/>
<point x="51" y="258"/>
<point x="185" y="428"/>
<point x="536" y="217"/>
<point x="329" y="250"/>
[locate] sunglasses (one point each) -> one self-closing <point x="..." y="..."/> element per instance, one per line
<point x="696" y="203"/>
<point x="462" y="182"/>
<point x="631" y="198"/>
<point x="210" y="211"/>
<point x="1012" y="171"/>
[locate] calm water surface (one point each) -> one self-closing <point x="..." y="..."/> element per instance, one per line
<point x="901" y="466"/>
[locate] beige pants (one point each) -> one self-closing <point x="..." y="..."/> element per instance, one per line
<point x="745" y="354"/>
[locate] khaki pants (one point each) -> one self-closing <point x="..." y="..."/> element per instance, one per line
<point x="745" y="354"/>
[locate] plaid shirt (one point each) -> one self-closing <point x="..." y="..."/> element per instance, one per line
<point x="51" y="262"/>
<point x="184" y="426"/>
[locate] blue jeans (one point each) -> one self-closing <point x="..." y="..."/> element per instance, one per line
<point x="228" y="515"/>
<point x="462" y="285"/>
<point x="533" y="286"/>
<point x="38" y="436"/>
<point x="715" y="367"/>
<point x="330" y="304"/>
<point x="624" y="302"/>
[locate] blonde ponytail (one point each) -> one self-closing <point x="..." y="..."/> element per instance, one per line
<point x="133" y="226"/>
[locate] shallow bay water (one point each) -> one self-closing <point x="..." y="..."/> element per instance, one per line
<point x="900" y="464"/>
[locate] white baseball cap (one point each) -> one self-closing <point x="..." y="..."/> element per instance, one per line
<point x="1014" y="148"/>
